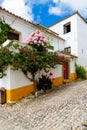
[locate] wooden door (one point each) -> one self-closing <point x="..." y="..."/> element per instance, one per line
<point x="66" y="70"/>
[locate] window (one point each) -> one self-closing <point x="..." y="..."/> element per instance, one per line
<point x="13" y="35"/>
<point x="67" y="49"/>
<point x="67" y="28"/>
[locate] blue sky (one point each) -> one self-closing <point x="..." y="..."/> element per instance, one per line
<point x="45" y="12"/>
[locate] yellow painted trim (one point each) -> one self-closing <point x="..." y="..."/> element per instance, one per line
<point x="18" y="93"/>
<point x="57" y="81"/>
<point x="72" y="76"/>
<point x="86" y="73"/>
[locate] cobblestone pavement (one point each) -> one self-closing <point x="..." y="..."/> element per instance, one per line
<point x="61" y="109"/>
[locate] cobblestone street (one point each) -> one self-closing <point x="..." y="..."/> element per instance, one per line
<point x="61" y="109"/>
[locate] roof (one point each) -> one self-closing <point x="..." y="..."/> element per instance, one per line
<point x="28" y="22"/>
<point x="69" y="17"/>
<point x="68" y="54"/>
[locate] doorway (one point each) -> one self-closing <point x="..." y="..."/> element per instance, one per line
<point x="65" y="70"/>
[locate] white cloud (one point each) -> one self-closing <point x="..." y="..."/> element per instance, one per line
<point x="22" y="8"/>
<point x="55" y="10"/>
<point x="19" y="8"/>
<point x="74" y="5"/>
<point x="55" y="1"/>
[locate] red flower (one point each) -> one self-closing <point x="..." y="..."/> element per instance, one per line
<point x="53" y="79"/>
<point x="50" y="73"/>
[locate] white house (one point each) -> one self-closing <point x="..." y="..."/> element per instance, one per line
<point x="74" y="30"/>
<point x="15" y="83"/>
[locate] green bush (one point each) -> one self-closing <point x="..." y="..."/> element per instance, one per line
<point x="4" y="28"/>
<point x="80" y="71"/>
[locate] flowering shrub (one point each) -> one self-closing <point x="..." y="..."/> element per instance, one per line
<point x="31" y="58"/>
<point x="38" y="41"/>
<point x="37" y="38"/>
<point x="5" y="60"/>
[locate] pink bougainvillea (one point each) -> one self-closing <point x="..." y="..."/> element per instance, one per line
<point x="37" y="38"/>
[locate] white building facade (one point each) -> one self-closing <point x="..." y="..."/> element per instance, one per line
<point x="15" y="83"/>
<point x="74" y="30"/>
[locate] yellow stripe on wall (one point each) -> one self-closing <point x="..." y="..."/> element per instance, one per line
<point x="18" y="93"/>
<point x="57" y="81"/>
<point x="72" y="76"/>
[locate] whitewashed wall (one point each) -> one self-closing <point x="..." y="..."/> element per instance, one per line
<point x="56" y="42"/>
<point x="72" y="65"/>
<point x="5" y="81"/>
<point x="57" y="72"/>
<point x="18" y="79"/>
<point x="14" y="79"/>
<point x="82" y="42"/>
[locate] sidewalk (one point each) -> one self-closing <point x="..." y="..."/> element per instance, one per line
<point x="63" y="109"/>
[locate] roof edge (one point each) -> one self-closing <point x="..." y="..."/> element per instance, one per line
<point x="69" y="17"/>
<point x="33" y="24"/>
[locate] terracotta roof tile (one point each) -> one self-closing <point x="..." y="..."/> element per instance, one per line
<point x="66" y="53"/>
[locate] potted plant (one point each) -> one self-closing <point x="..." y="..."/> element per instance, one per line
<point x="44" y="83"/>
